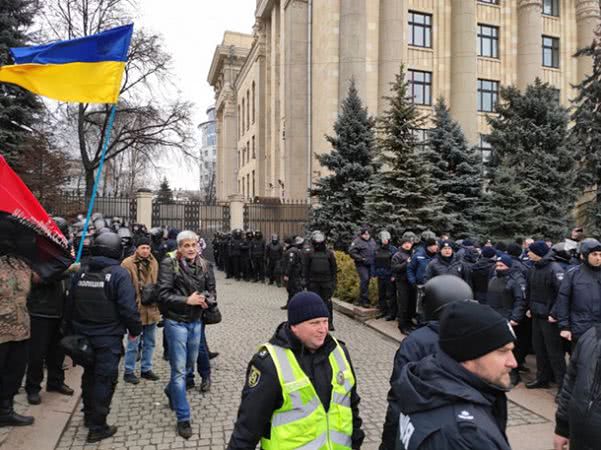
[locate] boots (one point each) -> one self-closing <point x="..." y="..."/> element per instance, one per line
<point x="8" y="416"/>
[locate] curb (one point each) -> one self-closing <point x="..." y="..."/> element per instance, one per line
<point x="367" y="316"/>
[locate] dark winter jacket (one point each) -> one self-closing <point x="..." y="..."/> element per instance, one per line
<point x="578" y="414"/>
<point x="399" y="264"/>
<point x="544" y="280"/>
<point x="235" y="247"/>
<point x="119" y="290"/>
<point x="446" y="407"/>
<point x="507" y="295"/>
<point x="274" y="252"/>
<point x="419" y="344"/>
<point x="363" y="252"/>
<point x="261" y="399"/>
<point x="480" y="275"/>
<point x="519" y="266"/>
<point x="383" y="260"/>
<point x="320" y="266"/>
<point x="447" y="266"/>
<point x="177" y="281"/>
<point x="257" y="248"/>
<point x="470" y="256"/>
<point x="47" y="298"/>
<point x="578" y="305"/>
<point x="417" y="267"/>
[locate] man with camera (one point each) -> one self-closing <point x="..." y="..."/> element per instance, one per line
<point x="183" y="276"/>
<point x="143" y="269"/>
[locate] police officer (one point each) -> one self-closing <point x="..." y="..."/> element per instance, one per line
<point x="457" y="397"/>
<point x="363" y="250"/>
<point x="245" y="260"/>
<point x="323" y="410"/>
<point x="102" y="306"/>
<point x="293" y="269"/>
<point x="235" y="253"/>
<point x="383" y="270"/>
<point x="46" y="303"/>
<point x="257" y="254"/>
<point x="321" y="270"/>
<point x="158" y="245"/>
<point x="446" y="262"/>
<point x="127" y="242"/>
<point x="438" y="293"/>
<point x="274" y="252"/>
<point x="398" y="265"/>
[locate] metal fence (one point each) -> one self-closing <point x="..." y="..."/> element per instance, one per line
<point x="285" y="219"/>
<point x="69" y="205"/>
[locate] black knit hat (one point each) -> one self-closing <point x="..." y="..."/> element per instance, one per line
<point x="539" y="248"/>
<point x="142" y="240"/>
<point x="514" y="249"/>
<point x="488" y="252"/>
<point x="306" y="306"/>
<point x="469" y="330"/>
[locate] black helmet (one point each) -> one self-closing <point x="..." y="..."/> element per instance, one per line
<point x="126" y="236"/>
<point x="237" y="233"/>
<point x="589" y="245"/>
<point x="317" y="237"/>
<point x="258" y="235"/>
<point x="102" y="230"/>
<point x="299" y="241"/>
<point x="62" y="225"/>
<point x="107" y="244"/>
<point x="156" y="234"/>
<point x="442" y="290"/>
<point x="561" y="252"/>
<point x="249" y="234"/>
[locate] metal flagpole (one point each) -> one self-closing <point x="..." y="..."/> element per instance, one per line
<point x="105" y="145"/>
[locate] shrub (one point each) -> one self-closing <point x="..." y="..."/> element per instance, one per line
<point x="347" y="287"/>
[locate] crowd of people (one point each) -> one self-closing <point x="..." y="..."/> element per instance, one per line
<point x="471" y="313"/>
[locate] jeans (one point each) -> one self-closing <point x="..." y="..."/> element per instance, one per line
<point x="148" y="345"/>
<point x="184" y="340"/>
<point x="202" y="362"/>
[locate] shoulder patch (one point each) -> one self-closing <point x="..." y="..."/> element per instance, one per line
<point x="465" y="415"/>
<point x="263" y="354"/>
<point x="559" y="276"/>
<point x="254" y="376"/>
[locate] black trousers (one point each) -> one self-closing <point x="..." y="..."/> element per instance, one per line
<point x="386" y="294"/>
<point x="44" y="348"/>
<point x="550" y="356"/>
<point x="523" y="343"/>
<point x="258" y="265"/>
<point x="325" y="289"/>
<point x="235" y="266"/>
<point x="403" y="300"/>
<point x="13" y="360"/>
<point x="99" y="381"/>
<point x="293" y="286"/>
<point x="273" y="271"/>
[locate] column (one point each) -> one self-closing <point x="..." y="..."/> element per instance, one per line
<point x="144" y="207"/>
<point x="353" y="28"/>
<point x="229" y="157"/>
<point x="464" y="67"/>
<point x="393" y="32"/>
<point x="530" y="32"/>
<point x="587" y="19"/>
<point x="236" y="211"/>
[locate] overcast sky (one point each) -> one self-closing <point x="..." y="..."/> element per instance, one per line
<point x="191" y="30"/>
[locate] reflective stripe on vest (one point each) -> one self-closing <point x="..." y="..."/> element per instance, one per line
<point x="302" y="422"/>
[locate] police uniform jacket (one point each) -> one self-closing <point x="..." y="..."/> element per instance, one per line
<point x="419" y="344"/>
<point x="320" y="266"/>
<point x="262" y="394"/>
<point x="120" y="294"/>
<point x="480" y="274"/>
<point x="363" y="252"/>
<point x="417" y="267"/>
<point x="446" y="407"/>
<point x="544" y="281"/>
<point x="399" y="263"/>
<point x="447" y="266"/>
<point x="506" y="294"/>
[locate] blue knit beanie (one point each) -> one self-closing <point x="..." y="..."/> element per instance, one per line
<point x="488" y="252"/>
<point x="505" y="259"/>
<point x="306" y="306"/>
<point x="539" y="248"/>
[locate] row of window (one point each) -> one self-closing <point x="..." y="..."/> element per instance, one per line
<point x="244" y="111"/>
<point x="550" y="7"/>
<point x="244" y="185"/>
<point x="420" y="35"/>
<point x="247" y="153"/>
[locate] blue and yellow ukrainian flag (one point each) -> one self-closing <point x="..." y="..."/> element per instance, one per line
<point x="84" y="70"/>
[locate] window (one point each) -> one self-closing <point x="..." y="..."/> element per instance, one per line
<point x="488" y="91"/>
<point x="550" y="51"/>
<point x="247" y="109"/>
<point x="551" y="7"/>
<point x="248" y="185"/>
<point x="243" y="113"/>
<point x="253" y="98"/>
<point x="420" y="84"/>
<point x="488" y="41"/>
<point x="490" y="2"/>
<point x="248" y="151"/>
<point x="253" y="191"/>
<point x="485" y="149"/>
<point x="421" y="136"/>
<point x="253" y="149"/>
<point x="239" y="122"/>
<point x="420" y="29"/>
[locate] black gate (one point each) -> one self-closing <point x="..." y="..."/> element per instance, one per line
<point x="69" y="205"/>
<point x="284" y="219"/>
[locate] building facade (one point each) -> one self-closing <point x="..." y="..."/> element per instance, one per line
<point x="208" y="154"/>
<point x="278" y="89"/>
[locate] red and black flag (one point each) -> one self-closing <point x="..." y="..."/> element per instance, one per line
<point x="26" y="230"/>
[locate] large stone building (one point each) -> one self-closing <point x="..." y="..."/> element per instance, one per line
<point x="278" y="89"/>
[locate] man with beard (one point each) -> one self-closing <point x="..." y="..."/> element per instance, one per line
<point x="457" y="397"/>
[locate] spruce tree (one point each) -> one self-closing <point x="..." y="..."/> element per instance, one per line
<point x="341" y="194"/>
<point x="456" y="172"/>
<point x="20" y="110"/>
<point x="165" y="194"/>
<point x="586" y="135"/>
<point x="402" y="195"/>
<point x="529" y="137"/>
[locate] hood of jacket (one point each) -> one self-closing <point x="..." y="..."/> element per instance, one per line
<point x="471" y="255"/>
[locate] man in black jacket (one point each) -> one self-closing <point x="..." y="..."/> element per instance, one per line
<point x="363" y="250"/>
<point x="578" y="417"/>
<point x="399" y="263"/>
<point x="438" y="293"/>
<point x="447" y="263"/>
<point x="321" y="271"/>
<point x="456" y="398"/>
<point x="274" y="252"/>
<point x="102" y="307"/>
<point x="184" y="280"/>
<point x="293" y="269"/>
<point x="302" y="341"/>
<point x="482" y="271"/>
<point x="257" y="255"/>
<point x="544" y="280"/>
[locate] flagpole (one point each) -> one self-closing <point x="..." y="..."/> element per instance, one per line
<point x="105" y="145"/>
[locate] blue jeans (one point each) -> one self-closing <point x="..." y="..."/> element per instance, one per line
<point x="184" y="340"/>
<point x="148" y="345"/>
<point x="203" y="365"/>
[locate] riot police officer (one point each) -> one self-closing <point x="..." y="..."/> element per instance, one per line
<point x="102" y="306"/>
<point x="235" y="253"/>
<point x="127" y="242"/>
<point x="245" y="261"/>
<point x="274" y="252"/>
<point x="158" y="247"/>
<point x="320" y="271"/>
<point x="293" y="270"/>
<point x="257" y="255"/>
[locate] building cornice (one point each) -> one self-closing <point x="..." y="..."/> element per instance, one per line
<point x="587" y="9"/>
<point x="264" y="8"/>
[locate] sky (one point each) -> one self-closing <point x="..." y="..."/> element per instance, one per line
<point x="191" y="30"/>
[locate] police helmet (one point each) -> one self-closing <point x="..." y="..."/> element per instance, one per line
<point x="258" y="235"/>
<point x="249" y="234"/>
<point x="125" y="235"/>
<point x="237" y="233"/>
<point x="102" y="230"/>
<point x="384" y="236"/>
<point x="274" y="238"/>
<point x="62" y="225"/>
<point x="589" y="245"/>
<point x="317" y="237"/>
<point x="442" y="290"/>
<point x="107" y="244"/>
<point x="299" y="241"/>
<point x="410" y="236"/>
<point x="156" y="234"/>
<point x="96" y="216"/>
<point x="99" y="223"/>
<point x="560" y="250"/>
<point x="428" y="235"/>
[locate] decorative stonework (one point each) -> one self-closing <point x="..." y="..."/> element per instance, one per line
<point x="587" y="9"/>
<point x="530" y="3"/>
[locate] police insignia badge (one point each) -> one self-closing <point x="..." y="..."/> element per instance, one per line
<point x="340" y="378"/>
<point x="253" y="377"/>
